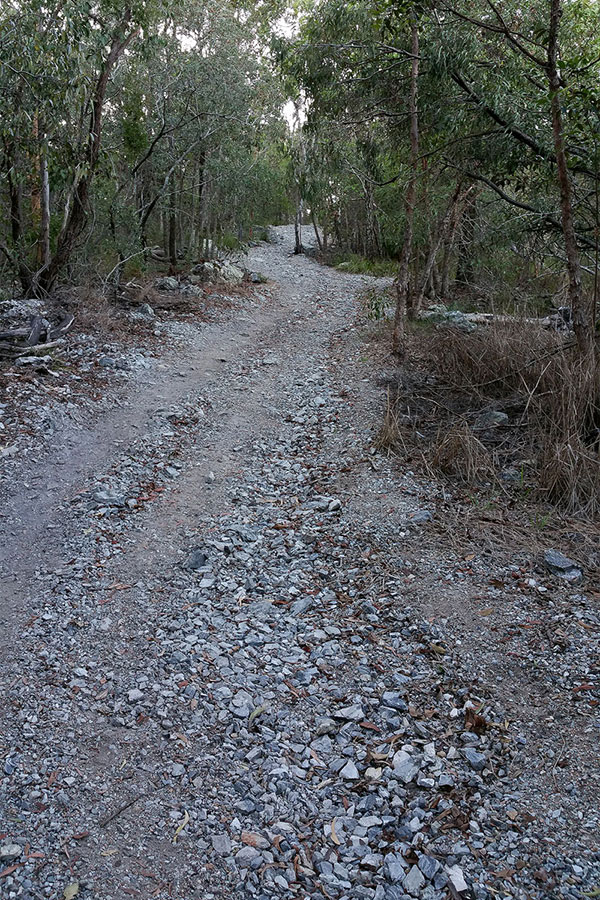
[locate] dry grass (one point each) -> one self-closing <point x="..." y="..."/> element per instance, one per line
<point x="553" y="398"/>
<point x="389" y="435"/>
<point x="95" y="313"/>
<point x="459" y="453"/>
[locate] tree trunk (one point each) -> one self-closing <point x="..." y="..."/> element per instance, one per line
<point x="298" y="248"/>
<point x="582" y="321"/>
<point x="465" y="273"/>
<point x="172" y="238"/>
<point x="449" y="245"/>
<point x="336" y="228"/>
<point x="439" y="235"/>
<point x="403" y="277"/>
<point x="193" y="213"/>
<point x="316" y="228"/>
<point x="435" y="282"/>
<point x="44" y="239"/>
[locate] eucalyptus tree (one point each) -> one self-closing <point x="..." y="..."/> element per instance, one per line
<point x="56" y="66"/>
<point x="138" y="123"/>
<point x="541" y="94"/>
<point x="455" y="93"/>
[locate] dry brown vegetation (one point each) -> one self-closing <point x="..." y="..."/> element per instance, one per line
<point x="551" y="439"/>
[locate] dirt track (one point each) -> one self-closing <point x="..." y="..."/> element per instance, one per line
<point x="191" y="733"/>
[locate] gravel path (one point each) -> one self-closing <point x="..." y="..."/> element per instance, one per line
<point x="238" y="662"/>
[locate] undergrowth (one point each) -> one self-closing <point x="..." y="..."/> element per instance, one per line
<point x="360" y="265"/>
<point x="510" y="403"/>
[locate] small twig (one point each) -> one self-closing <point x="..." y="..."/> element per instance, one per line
<point x="119" y="810"/>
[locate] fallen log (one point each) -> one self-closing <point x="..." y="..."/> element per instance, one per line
<point x="62" y="328"/>
<point x="16" y="350"/>
<point x="16" y="334"/>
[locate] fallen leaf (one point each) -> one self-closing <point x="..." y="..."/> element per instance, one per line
<point x="8" y="870"/>
<point x="369" y="725"/>
<point x="179" y="829"/>
<point x="475" y="722"/>
<point x="256" y="713"/>
<point x="334" y="836"/>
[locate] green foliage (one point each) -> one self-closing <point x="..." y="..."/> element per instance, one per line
<point x="484" y="120"/>
<point x="191" y="140"/>
<point x="376" y="304"/>
<point x="360" y="265"/>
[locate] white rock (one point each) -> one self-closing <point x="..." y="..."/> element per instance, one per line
<point x="456" y="879"/>
<point x="350" y="772"/>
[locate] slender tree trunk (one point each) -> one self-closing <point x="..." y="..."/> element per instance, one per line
<point x="36" y="167"/>
<point x="298" y="248"/>
<point x="316" y="228"/>
<point x="403" y="277"/>
<point x="435" y="282"/>
<point x="440" y="234"/>
<point x="172" y="219"/>
<point x="193" y="213"/>
<point x="372" y="247"/>
<point x="336" y="228"/>
<point x="582" y="321"/>
<point x="201" y="170"/>
<point x="465" y="273"/>
<point x="443" y="288"/>
<point x="44" y="240"/>
<point x="172" y="239"/>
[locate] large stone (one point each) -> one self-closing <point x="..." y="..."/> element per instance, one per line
<point x="561" y="565"/>
<point x="109" y="498"/>
<point x="394" y="867"/>
<point x="9" y="852"/>
<point x="197" y="559"/>
<point x="192" y="290"/>
<point x="221" y="844"/>
<point x="349" y="772"/>
<point x="414" y="881"/>
<point x="429" y="866"/>
<point x="166" y="284"/>
<point x="477" y="760"/>
<point x="145" y="311"/>
<point x="456" y="879"/>
<point x="248" y="858"/>
<point x="421" y="516"/>
<point x="351" y="713"/>
<point x="406" y="767"/>
<point x="231" y="274"/>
